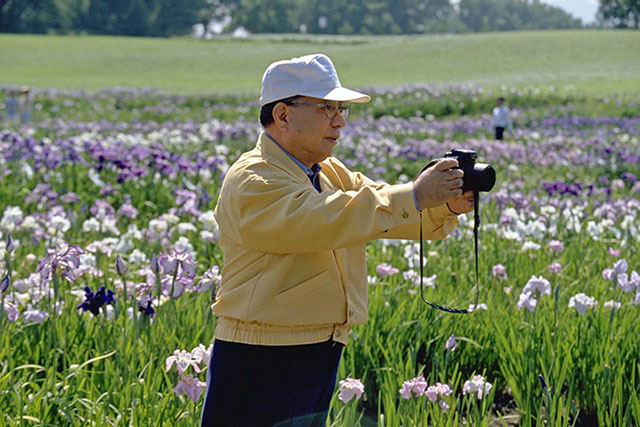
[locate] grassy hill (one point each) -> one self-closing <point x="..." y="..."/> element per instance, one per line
<point x="593" y="62"/>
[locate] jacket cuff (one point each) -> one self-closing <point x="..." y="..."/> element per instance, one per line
<point x="441" y="213"/>
<point x="403" y="204"/>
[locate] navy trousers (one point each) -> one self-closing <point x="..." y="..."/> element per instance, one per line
<point x="254" y="385"/>
<point x="499" y="132"/>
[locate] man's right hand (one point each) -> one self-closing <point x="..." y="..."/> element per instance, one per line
<point x="438" y="184"/>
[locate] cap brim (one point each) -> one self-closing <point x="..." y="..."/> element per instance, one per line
<point x="339" y="94"/>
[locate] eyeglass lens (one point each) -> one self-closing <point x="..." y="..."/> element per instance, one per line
<point x="330" y="108"/>
<point x="333" y="108"/>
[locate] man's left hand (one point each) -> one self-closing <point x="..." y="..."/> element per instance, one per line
<point x="461" y="204"/>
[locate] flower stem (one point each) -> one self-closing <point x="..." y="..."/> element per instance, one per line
<point x="56" y="291"/>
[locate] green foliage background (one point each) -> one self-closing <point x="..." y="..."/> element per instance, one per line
<point x="176" y="17"/>
<point x="596" y="62"/>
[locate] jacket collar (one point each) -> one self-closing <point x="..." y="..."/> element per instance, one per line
<point x="276" y="156"/>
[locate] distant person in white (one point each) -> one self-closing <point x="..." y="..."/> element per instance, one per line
<point x="24" y="105"/>
<point x="501" y="119"/>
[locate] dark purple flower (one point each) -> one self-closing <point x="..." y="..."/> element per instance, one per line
<point x="146" y="308"/>
<point x="561" y="187"/>
<point x="4" y="284"/>
<point x="543" y="383"/>
<point x="93" y="302"/>
<point x="9" y="246"/>
<point x="154" y="264"/>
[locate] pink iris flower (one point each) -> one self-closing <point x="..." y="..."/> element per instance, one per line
<point x="556" y="245"/>
<point x="555" y="267"/>
<point x="614" y="252"/>
<point x="500" y="271"/>
<point x="385" y="270"/>
<point x="413" y="387"/>
<point x="190" y="386"/>
<point x="350" y="388"/>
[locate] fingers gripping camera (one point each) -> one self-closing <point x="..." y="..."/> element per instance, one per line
<point x="477" y="176"/>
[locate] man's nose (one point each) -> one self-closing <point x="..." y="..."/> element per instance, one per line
<point x="338" y="121"/>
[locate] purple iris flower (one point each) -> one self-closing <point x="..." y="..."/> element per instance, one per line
<point x="128" y="210"/>
<point x="107" y="190"/>
<point x="42" y="194"/>
<point x="155" y="267"/>
<point x="560" y="187"/>
<point x="70" y="198"/>
<point x="104" y="205"/>
<point x="62" y="259"/>
<point x="627" y="176"/>
<point x="93" y="302"/>
<point x="121" y="267"/>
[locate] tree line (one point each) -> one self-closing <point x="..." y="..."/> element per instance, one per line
<point x="164" y="18"/>
<point x="108" y="17"/>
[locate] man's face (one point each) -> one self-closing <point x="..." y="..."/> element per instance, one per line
<point x="314" y="135"/>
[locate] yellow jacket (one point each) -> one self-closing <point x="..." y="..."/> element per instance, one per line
<point x="294" y="259"/>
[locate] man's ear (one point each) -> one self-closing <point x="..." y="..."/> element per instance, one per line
<point x="281" y="115"/>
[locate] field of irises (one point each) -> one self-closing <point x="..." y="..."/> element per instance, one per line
<point x="109" y="261"/>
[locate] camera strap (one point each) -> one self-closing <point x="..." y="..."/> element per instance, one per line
<point x="476" y="226"/>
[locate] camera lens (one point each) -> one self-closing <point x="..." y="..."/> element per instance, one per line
<point x="479" y="177"/>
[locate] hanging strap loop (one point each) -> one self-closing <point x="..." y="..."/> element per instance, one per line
<point x="476" y="227"/>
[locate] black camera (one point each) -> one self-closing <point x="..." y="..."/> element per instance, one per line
<point x="477" y="176"/>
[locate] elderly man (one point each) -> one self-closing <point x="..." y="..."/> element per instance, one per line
<point x="293" y="226"/>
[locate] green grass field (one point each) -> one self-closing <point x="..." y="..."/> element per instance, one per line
<point x="593" y="62"/>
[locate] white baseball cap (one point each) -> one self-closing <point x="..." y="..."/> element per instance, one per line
<point x="310" y="75"/>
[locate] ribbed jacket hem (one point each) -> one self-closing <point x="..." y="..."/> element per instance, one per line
<point x="258" y="334"/>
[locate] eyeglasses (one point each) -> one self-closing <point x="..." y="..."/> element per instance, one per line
<point x="330" y="108"/>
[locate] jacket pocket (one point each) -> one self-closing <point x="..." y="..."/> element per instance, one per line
<point x="303" y="289"/>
